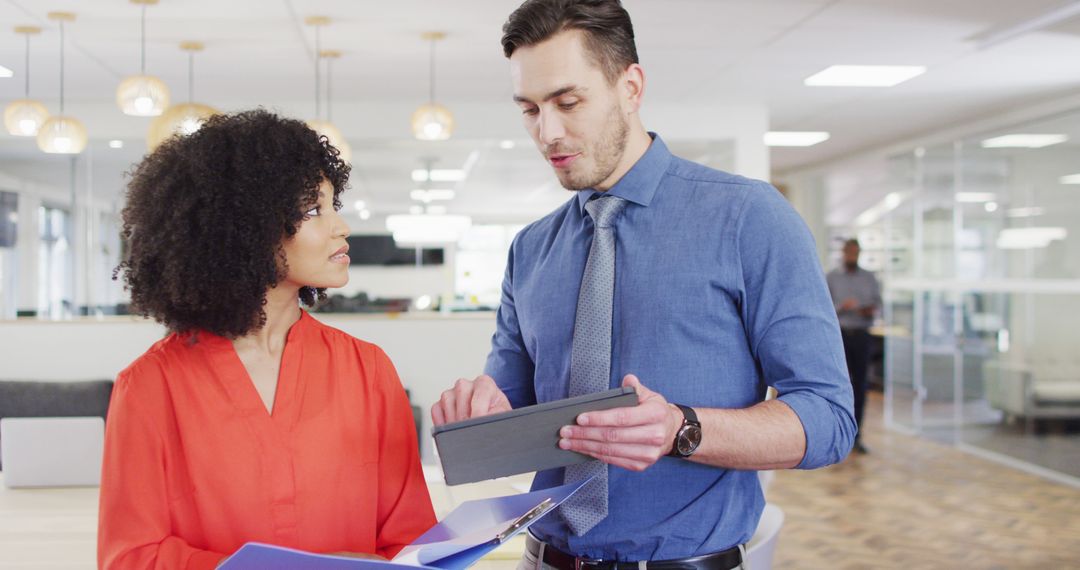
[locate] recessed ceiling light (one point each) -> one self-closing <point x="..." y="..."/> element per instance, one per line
<point x="506" y="144"/>
<point x="1070" y="179"/>
<point x="975" y="197"/>
<point x="1030" y="238"/>
<point x="864" y="75"/>
<point x="1026" y="212"/>
<point x="1024" y="141"/>
<point x="990" y="206"/>
<point x="5" y="72"/>
<point x="116" y="143"/>
<point x="430" y="195"/>
<point x="890" y="202"/>
<point x="795" y="138"/>
<point x="453" y="175"/>
<point x="365" y="214"/>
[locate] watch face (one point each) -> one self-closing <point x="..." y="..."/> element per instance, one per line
<point x="689" y="440"/>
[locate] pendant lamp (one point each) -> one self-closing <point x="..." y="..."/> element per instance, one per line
<point x="432" y="121"/>
<point x="24" y="117"/>
<point x="327" y="127"/>
<point x="61" y="134"/>
<point x="323" y="126"/>
<point x="185" y="118"/>
<point x="142" y="95"/>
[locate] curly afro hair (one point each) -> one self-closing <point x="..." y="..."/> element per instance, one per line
<point x="207" y="213"/>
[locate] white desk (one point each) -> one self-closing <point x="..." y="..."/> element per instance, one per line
<point x="57" y="528"/>
<point x="48" y="528"/>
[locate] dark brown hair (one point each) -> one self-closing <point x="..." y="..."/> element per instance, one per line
<point x="207" y="213"/>
<point x="609" y="35"/>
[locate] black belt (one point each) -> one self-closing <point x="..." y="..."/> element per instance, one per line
<point x="726" y="560"/>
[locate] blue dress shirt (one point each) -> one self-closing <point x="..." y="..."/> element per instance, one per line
<point x="718" y="294"/>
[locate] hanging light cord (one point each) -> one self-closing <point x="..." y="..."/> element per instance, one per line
<point x="191" y="76"/>
<point x="329" y="84"/>
<point x="61" y="67"/>
<point x="143" y="41"/>
<point x="431" y="78"/>
<point x="318" y="57"/>
<point x="27" y="66"/>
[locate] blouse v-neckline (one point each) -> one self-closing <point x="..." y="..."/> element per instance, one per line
<point x="240" y="387"/>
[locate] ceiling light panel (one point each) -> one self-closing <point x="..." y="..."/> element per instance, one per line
<point x="795" y="138"/>
<point x="864" y="75"/>
<point x="437" y="175"/>
<point x="1024" y="140"/>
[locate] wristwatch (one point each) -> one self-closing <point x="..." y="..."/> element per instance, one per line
<point x="688" y="438"/>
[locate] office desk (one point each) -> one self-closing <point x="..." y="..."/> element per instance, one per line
<point x="53" y="529"/>
<point x="48" y="528"/>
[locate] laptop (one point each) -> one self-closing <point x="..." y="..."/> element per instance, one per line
<point x="52" y="452"/>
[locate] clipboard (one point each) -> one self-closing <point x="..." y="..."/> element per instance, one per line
<point x="469" y="532"/>
<point x="519" y="441"/>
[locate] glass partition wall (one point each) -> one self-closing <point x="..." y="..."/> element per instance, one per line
<point x="980" y="249"/>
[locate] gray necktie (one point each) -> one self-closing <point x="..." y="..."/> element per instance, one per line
<point x="590" y="360"/>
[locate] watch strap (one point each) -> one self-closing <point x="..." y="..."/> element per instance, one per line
<point x="689" y="419"/>
<point x="689" y="415"/>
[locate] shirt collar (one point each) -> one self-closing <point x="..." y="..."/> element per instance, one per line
<point x="639" y="184"/>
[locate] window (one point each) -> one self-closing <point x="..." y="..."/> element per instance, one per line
<point x="55" y="264"/>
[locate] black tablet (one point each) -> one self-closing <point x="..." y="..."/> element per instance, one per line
<point x="518" y="441"/>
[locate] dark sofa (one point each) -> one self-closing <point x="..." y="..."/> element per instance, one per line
<point x="36" y="399"/>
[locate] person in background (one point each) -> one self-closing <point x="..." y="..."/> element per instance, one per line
<point x="251" y="420"/>
<point x="698" y="288"/>
<point x="857" y="297"/>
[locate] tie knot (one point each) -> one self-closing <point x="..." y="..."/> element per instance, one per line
<point x="604" y="209"/>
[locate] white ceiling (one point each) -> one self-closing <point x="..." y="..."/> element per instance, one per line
<point x="694" y="51"/>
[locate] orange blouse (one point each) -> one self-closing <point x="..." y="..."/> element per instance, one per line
<point x="195" y="466"/>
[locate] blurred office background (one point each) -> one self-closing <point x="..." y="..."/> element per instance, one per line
<point x="956" y="164"/>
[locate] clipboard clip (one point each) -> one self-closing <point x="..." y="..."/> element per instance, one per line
<point x="525" y="519"/>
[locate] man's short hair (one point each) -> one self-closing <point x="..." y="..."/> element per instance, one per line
<point x="851" y="242"/>
<point x="609" y="35"/>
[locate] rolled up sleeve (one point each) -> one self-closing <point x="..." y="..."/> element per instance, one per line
<point x="792" y="325"/>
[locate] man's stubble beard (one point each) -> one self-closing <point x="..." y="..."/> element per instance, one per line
<point x="607" y="152"/>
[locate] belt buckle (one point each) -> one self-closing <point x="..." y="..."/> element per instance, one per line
<point x="586" y="563"/>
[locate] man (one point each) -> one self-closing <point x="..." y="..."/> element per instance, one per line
<point x="856" y="295"/>
<point x="695" y="287"/>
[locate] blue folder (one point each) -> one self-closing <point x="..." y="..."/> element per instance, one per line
<point x="457" y="542"/>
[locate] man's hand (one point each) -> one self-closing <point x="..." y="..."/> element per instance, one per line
<point x="469" y="399"/>
<point x="632" y="438"/>
<point x="849" y="304"/>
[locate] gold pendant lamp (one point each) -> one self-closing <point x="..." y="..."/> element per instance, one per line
<point x="185" y="118"/>
<point x="325" y="127"/>
<point x="142" y="95"/>
<point x="24" y="117"/>
<point x="62" y="134"/>
<point x="432" y="121"/>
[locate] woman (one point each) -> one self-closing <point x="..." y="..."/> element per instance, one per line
<point x="251" y="420"/>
